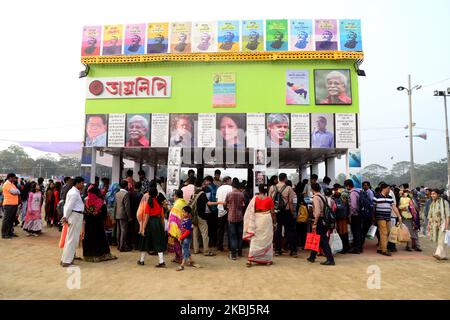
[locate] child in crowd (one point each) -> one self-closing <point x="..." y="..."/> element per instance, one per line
<point x="186" y="237"/>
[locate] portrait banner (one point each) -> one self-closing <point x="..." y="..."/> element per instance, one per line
<point x="252" y="35"/>
<point x="228" y="36"/>
<point x="158" y="37"/>
<point x="260" y="178"/>
<point x="300" y="136"/>
<point x="135" y="39"/>
<point x="174" y="157"/>
<point x="301" y="35"/>
<point x="160" y="130"/>
<point x="346" y="130"/>
<point x="224" y="89"/>
<point x="92" y="38"/>
<point x="356" y="177"/>
<point x="278" y="130"/>
<point x="350" y="35"/>
<point x="173" y="177"/>
<point x="260" y="158"/>
<point x="180" y="37"/>
<point x="256" y="130"/>
<point x="138" y="130"/>
<point x="204" y="37"/>
<point x="325" y="35"/>
<point x="112" y="40"/>
<point x="183" y="130"/>
<point x="277" y="38"/>
<point x="231" y="130"/>
<point x="116" y="130"/>
<point x="96" y="133"/>
<point x="207" y="130"/>
<point x="322" y="130"/>
<point x="297" y="87"/>
<point x="332" y="87"/>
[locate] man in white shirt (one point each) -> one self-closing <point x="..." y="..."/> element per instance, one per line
<point x="188" y="190"/>
<point x="73" y="216"/>
<point x="221" y="194"/>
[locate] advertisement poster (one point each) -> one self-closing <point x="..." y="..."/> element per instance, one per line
<point x="160" y="130"/>
<point x="224" y="89"/>
<point x="301" y="35"/>
<point x="231" y="130"/>
<point x="135" y="39"/>
<point x="260" y="157"/>
<point x="182" y="130"/>
<point x="228" y="36"/>
<point x="350" y="35"/>
<point x="355" y="175"/>
<point x="300" y="136"/>
<point x="277" y="35"/>
<point x="112" y="40"/>
<point x="322" y="130"/>
<point x="204" y="37"/>
<point x="326" y="35"/>
<point x="354" y="158"/>
<point x="138" y="130"/>
<point x="157" y="37"/>
<point x="207" y="130"/>
<point x="278" y="133"/>
<point x="297" y="87"/>
<point x="256" y="130"/>
<point x="332" y="86"/>
<point x="116" y="130"/>
<point x="252" y="35"/>
<point x="92" y="38"/>
<point x="346" y="130"/>
<point x="173" y="178"/>
<point x="180" y="37"/>
<point x="174" y="157"/>
<point x="96" y="130"/>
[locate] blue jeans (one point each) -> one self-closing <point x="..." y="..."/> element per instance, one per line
<point x="235" y="230"/>
<point x="185" y="245"/>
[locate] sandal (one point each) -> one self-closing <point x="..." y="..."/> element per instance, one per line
<point x="210" y="254"/>
<point x="180" y="268"/>
<point x="248" y="264"/>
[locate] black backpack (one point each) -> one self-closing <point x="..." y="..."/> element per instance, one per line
<point x="278" y="200"/>
<point x="329" y="218"/>
<point x="341" y="208"/>
<point x="366" y="208"/>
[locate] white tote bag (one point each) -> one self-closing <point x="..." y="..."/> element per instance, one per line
<point x="350" y="234"/>
<point x="447" y="238"/>
<point x="372" y="231"/>
<point x="335" y="242"/>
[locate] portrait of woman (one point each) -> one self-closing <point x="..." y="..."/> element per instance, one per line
<point x="231" y="130"/>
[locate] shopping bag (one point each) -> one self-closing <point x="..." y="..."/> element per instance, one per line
<point x="62" y="240"/>
<point x="335" y="242"/>
<point x="371" y="233"/>
<point x="393" y="235"/>
<point x="350" y="234"/>
<point x="403" y="234"/>
<point x="312" y="241"/>
<point x="447" y="237"/>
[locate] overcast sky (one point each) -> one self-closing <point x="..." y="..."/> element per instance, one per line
<point x="42" y="98"/>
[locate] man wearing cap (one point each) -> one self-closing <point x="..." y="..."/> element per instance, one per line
<point x="10" y="204"/>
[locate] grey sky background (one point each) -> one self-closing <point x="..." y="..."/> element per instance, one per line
<point x="42" y="98"/>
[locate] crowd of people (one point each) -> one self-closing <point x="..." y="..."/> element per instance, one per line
<point x="139" y="216"/>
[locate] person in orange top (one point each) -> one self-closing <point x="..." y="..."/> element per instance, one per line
<point x="10" y="204"/>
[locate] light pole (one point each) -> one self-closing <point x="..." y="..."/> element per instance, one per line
<point x="409" y="91"/>
<point x="443" y="94"/>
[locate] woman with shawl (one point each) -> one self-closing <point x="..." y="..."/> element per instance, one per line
<point x="410" y="218"/>
<point x="259" y="222"/>
<point x="110" y="222"/>
<point x="174" y="228"/>
<point x="50" y="212"/>
<point x="95" y="243"/>
<point x="33" y="222"/>
<point x="438" y="222"/>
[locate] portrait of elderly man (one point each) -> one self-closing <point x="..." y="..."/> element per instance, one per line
<point x="253" y="42"/>
<point x="96" y="127"/>
<point x="321" y="137"/>
<point x="113" y="47"/>
<point x="278" y="40"/>
<point x="277" y="129"/>
<point x="336" y="84"/>
<point x="227" y="43"/>
<point x="326" y="43"/>
<point x="158" y="46"/>
<point x="138" y="131"/>
<point x="181" y="131"/>
<point x="135" y="43"/>
<point x="204" y="41"/>
<point x="351" y="40"/>
<point x="302" y="40"/>
<point x="91" y="45"/>
<point x="181" y="45"/>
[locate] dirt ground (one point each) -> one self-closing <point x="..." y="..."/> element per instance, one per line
<point x="30" y="270"/>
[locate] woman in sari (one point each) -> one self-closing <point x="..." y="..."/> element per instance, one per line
<point x="438" y="223"/>
<point x="95" y="243"/>
<point x="33" y="222"/>
<point x="56" y="193"/>
<point x="410" y="218"/>
<point x="174" y="228"/>
<point x="259" y="223"/>
<point x="50" y="212"/>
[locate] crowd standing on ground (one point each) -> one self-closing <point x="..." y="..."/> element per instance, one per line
<point x="280" y="218"/>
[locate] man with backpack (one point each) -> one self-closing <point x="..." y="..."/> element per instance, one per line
<point x="355" y="216"/>
<point x="283" y="198"/>
<point x="341" y="217"/>
<point x="366" y="210"/>
<point x="321" y="225"/>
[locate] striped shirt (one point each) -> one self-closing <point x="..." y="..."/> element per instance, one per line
<point x="383" y="206"/>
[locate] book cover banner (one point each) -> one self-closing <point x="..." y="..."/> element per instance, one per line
<point x="157" y="37"/>
<point x="350" y="35"/>
<point x="326" y="35"/>
<point x="228" y="36"/>
<point x="297" y="87"/>
<point x="301" y="35"/>
<point x="277" y="35"/>
<point x="252" y="35"/>
<point x="180" y="37"/>
<point x="135" y="39"/>
<point x="92" y="38"/>
<point x="204" y="37"/>
<point x="112" y="40"/>
<point x="224" y="89"/>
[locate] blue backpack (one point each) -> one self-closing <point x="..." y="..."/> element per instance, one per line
<point x="365" y="205"/>
<point x="342" y="208"/>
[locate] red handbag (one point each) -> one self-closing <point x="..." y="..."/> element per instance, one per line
<point x="312" y="241"/>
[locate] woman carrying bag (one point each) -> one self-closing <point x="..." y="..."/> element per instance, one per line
<point x="438" y="223"/>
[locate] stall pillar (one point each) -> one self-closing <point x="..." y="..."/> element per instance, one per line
<point x="315" y="168"/>
<point x="116" y="171"/>
<point x="330" y="169"/>
<point x="93" y="165"/>
<point x="304" y="172"/>
<point x="151" y="173"/>
<point x="136" y="169"/>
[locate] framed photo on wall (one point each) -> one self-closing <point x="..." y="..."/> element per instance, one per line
<point x="332" y="86"/>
